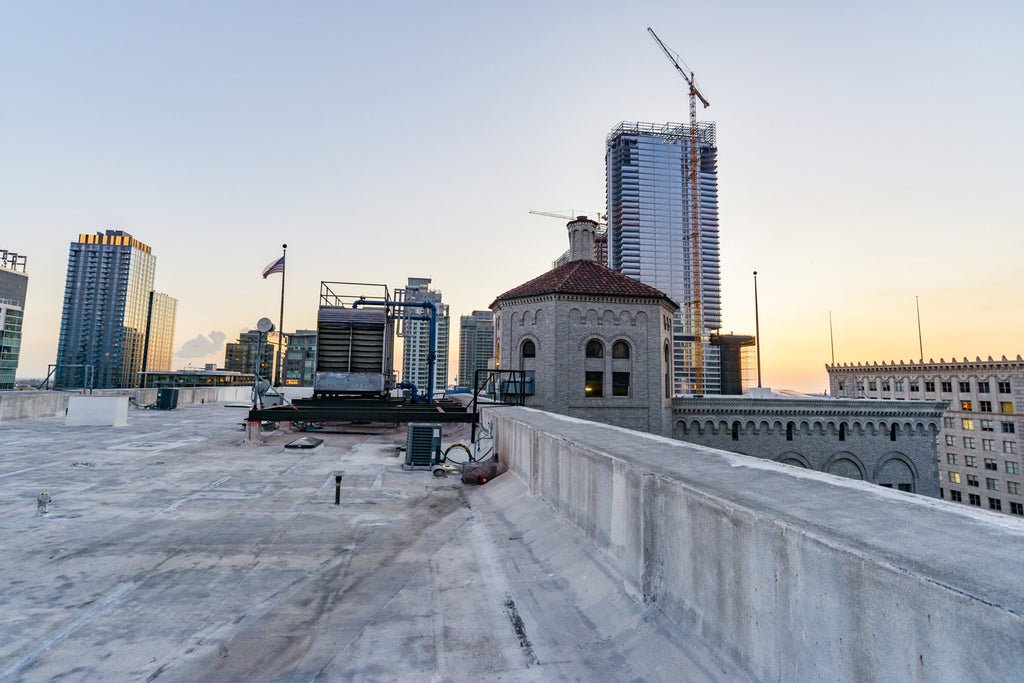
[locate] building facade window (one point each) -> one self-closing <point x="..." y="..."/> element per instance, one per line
<point x="668" y="371"/>
<point x="620" y="349"/>
<point x="988" y="444"/>
<point x="965" y="406"/>
<point x="885" y="385"/>
<point x="1005" y="407"/>
<point x="991" y="484"/>
<point x="595" y="384"/>
<point x="974" y="499"/>
<point x="842" y="431"/>
<point x="969" y="461"/>
<point x="947" y="387"/>
<point x="789" y="431"/>
<point x="982" y="387"/>
<point x="873" y="385"/>
<point x="595" y="349"/>
<point x="987" y="425"/>
<point x="1016" y="509"/>
<point x="1004" y="387"/>
<point x="951" y="458"/>
<point x="915" y="387"/>
<point x="955" y="496"/>
<point x="969" y="442"/>
<point x="948" y="423"/>
<point x="991" y="464"/>
<point x="620" y="384"/>
<point x="950" y="440"/>
<point x="995" y="504"/>
<point x="954" y="477"/>
<point x="1009" y="447"/>
<point x="529" y="349"/>
<point x="985" y="406"/>
<point x="929" y="387"/>
<point x="892" y="433"/>
<point x="967" y="423"/>
<point x="965" y="387"/>
<point x="972" y="480"/>
<point x="899" y="385"/>
<point x="1007" y="427"/>
<point x="735" y="431"/>
<point x="1013" y="487"/>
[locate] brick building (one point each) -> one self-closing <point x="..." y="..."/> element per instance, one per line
<point x="595" y="344"/>
<point x="889" y="443"/>
<point x="979" y="445"/>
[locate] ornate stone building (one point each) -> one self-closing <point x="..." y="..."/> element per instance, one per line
<point x="594" y="343"/>
<point x="888" y="443"/>
<point x="980" y="446"/>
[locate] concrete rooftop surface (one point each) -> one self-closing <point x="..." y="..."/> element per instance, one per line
<point x="173" y="551"/>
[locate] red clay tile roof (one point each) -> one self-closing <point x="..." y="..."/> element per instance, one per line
<point x="584" y="277"/>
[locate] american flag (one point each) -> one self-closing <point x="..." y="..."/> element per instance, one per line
<point x="275" y="267"/>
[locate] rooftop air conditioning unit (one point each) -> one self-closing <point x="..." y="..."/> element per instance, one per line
<point x="166" y="398"/>
<point x="423" y="448"/>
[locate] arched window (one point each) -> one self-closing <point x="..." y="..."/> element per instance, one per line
<point x="668" y="372"/>
<point x="735" y="431"/>
<point x="595" y="349"/>
<point x="892" y="433"/>
<point x="620" y="349"/>
<point x="842" y="431"/>
<point x="789" y="431"/>
<point x="529" y="349"/>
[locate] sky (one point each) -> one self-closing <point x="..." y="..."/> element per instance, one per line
<point x="869" y="157"/>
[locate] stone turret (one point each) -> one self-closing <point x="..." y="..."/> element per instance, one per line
<point x="582" y="233"/>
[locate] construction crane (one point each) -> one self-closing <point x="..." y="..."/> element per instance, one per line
<point x="572" y="215"/>
<point x="696" y="309"/>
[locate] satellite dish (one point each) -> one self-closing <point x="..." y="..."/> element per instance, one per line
<point x="265" y="325"/>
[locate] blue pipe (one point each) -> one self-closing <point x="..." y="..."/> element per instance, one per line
<point x="431" y="344"/>
<point x="416" y="396"/>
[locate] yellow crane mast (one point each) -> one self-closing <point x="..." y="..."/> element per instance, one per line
<point x="696" y="310"/>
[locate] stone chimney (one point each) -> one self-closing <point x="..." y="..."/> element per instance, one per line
<point x="582" y="232"/>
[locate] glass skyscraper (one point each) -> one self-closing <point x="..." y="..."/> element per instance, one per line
<point x="649" y="205"/>
<point x="107" y="322"/>
<point x="13" y="288"/>
<point x="416" y="337"/>
<point x="476" y="345"/>
<point x="160" y="332"/>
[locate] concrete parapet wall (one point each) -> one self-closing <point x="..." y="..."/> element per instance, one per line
<point x="33" y="405"/>
<point x="794" y="575"/>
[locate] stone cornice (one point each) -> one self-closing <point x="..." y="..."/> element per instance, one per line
<point x="806" y="408"/>
<point x="1003" y="366"/>
<point x="587" y="298"/>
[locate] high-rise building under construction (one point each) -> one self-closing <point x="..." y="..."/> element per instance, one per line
<point x="651" y="235"/>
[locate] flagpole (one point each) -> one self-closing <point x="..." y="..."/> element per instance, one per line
<point x="280" y="321"/>
<point x="757" y="332"/>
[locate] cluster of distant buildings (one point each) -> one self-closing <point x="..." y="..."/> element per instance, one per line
<point x="615" y="332"/>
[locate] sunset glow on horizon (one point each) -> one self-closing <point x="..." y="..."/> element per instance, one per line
<point x="868" y="158"/>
